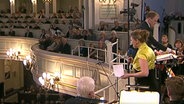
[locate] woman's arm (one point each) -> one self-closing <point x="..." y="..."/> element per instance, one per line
<point x="143" y="73"/>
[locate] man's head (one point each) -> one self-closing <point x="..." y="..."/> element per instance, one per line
<point x="152" y="18"/>
<point x="175" y="87"/>
<point x="86" y="87"/>
<point x="164" y="39"/>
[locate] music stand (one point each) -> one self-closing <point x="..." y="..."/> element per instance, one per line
<point x="134" y="97"/>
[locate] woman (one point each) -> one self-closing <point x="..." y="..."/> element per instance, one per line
<point x="144" y="61"/>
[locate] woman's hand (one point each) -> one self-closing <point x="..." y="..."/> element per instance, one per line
<point x="125" y="76"/>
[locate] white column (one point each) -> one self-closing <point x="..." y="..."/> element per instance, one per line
<point x="88" y="13"/>
<point x="34" y="6"/>
<point x="109" y="51"/>
<point x="12" y="6"/>
<point x="47" y="8"/>
<point x="54" y="6"/>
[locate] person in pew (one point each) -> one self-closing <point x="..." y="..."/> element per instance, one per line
<point x="47" y="21"/>
<point x="36" y="26"/>
<point x="83" y="49"/>
<point x="10" y="20"/>
<point x="2" y="33"/>
<point x="32" y="20"/>
<point x="102" y="36"/>
<point x="65" y="48"/>
<point x="116" y="26"/>
<point x="11" y="25"/>
<point x="27" y="16"/>
<point x="175" y="89"/>
<point x="125" y="27"/>
<point x="113" y="39"/>
<point x="1" y="21"/>
<point x="19" y="25"/>
<point x="41" y="15"/>
<point x="28" y="26"/>
<point x="101" y="53"/>
<point x="85" y="92"/>
<point x="28" y="33"/>
<point x="54" y="15"/>
<point x="92" y="35"/>
<point x="4" y="25"/>
<point x="46" y="40"/>
<point x="11" y="32"/>
<point x="102" y="26"/>
<point x="143" y="62"/>
<point x="85" y="34"/>
<point x="55" y="46"/>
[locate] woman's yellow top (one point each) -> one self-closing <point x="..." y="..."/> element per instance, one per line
<point x="144" y="52"/>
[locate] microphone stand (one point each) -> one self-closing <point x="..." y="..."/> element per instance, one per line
<point x="100" y="64"/>
<point x="128" y="39"/>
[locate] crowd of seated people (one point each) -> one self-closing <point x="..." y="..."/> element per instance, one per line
<point x="53" y="43"/>
<point x="103" y="26"/>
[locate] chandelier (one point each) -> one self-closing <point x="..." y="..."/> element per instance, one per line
<point x="47" y="1"/>
<point x="48" y="81"/>
<point x="34" y="1"/>
<point x="13" y="54"/>
<point x="29" y="62"/>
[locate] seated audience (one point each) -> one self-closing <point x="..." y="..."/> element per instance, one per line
<point x="102" y="36"/>
<point x="11" y="32"/>
<point x="175" y="89"/>
<point x="41" y="15"/>
<point x="55" y="46"/>
<point x="65" y="48"/>
<point x="113" y="39"/>
<point x="54" y="15"/>
<point x="125" y="27"/>
<point x="100" y="54"/>
<point x="4" y="25"/>
<point x="2" y="33"/>
<point x="116" y="26"/>
<point x="28" y="25"/>
<point x="102" y="26"/>
<point x="92" y="50"/>
<point x="28" y="33"/>
<point x="85" y="92"/>
<point x="36" y="26"/>
<point x="83" y="49"/>
<point x="47" y="21"/>
<point x="19" y="25"/>
<point x="46" y="40"/>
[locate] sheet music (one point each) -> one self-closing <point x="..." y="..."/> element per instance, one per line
<point x="165" y="57"/>
<point x="118" y="70"/>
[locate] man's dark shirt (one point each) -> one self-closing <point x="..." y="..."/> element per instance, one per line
<point x="117" y="28"/>
<point x="151" y="40"/>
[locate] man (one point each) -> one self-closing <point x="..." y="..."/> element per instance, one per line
<point x="11" y="32"/>
<point x="151" y="19"/>
<point x="175" y="89"/>
<point x="116" y="26"/>
<point x="85" y="92"/>
<point x="28" y="33"/>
